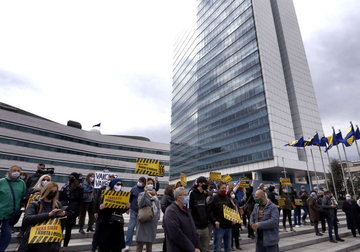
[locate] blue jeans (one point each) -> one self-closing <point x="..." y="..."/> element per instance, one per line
<point x="297" y="215"/>
<point x="219" y="235"/>
<point x="306" y="212"/>
<point x="332" y="224"/>
<point x="132" y="224"/>
<point x="5" y="236"/>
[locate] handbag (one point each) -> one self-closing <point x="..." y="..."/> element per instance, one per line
<point x="17" y="213"/>
<point x="117" y="220"/>
<point x="145" y="214"/>
<point x="85" y="195"/>
<point x="293" y="206"/>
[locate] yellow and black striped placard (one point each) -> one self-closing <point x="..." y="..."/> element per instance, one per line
<point x="231" y="214"/>
<point x="45" y="232"/>
<point x="32" y="198"/>
<point x="113" y="199"/>
<point x="298" y="202"/>
<point x="161" y="170"/>
<point x="147" y="166"/>
<point x="281" y="202"/>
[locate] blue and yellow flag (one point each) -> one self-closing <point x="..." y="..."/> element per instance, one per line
<point x="323" y="142"/>
<point x="357" y="133"/>
<point x="97" y="125"/>
<point x="314" y="140"/>
<point x="333" y="140"/>
<point x="349" y="138"/>
<point x="298" y="143"/>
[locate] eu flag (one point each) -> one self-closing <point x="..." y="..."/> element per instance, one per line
<point x="349" y="138"/>
<point x="298" y="143"/>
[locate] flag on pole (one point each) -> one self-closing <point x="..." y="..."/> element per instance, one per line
<point x="349" y="138"/>
<point x="323" y="142"/>
<point x="97" y="125"/>
<point x="314" y="140"/>
<point x="333" y="140"/>
<point x="357" y="133"/>
<point x="298" y="143"/>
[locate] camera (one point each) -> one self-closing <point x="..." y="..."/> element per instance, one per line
<point x="46" y="171"/>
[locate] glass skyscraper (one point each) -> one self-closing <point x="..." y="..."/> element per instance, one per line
<point x="235" y="97"/>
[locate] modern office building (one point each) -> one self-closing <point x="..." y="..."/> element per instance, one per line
<point x="242" y="90"/>
<point x="27" y="139"/>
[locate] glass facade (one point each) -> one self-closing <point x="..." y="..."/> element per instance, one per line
<point x="219" y="114"/>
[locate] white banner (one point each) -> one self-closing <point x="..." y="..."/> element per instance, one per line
<point x="101" y="179"/>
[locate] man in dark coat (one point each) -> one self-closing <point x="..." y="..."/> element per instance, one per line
<point x="328" y="205"/>
<point x="352" y="211"/>
<point x="314" y="212"/>
<point x="181" y="235"/>
<point x="35" y="177"/>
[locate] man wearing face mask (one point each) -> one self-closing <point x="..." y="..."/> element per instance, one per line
<point x="198" y="208"/>
<point x="12" y="191"/>
<point x="134" y="210"/>
<point x="352" y="211"/>
<point x="35" y="177"/>
<point x="328" y="205"/>
<point x="181" y="235"/>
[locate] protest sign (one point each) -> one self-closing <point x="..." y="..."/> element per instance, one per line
<point x="226" y="178"/>
<point x="113" y="199"/>
<point x="161" y="171"/>
<point x="183" y="179"/>
<point x="101" y="179"/>
<point x="285" y="181"/>
<point x="298" y="202"/>
<point x="231" y="214"/>
<point x="254" y="175"/>
<point x="32" y="198"/>
<point x="215" y="176"/>
<point x="147" y="166"/>
<point x="281" y="202"/>
<point x="45" y="232"/>
<point x="244" y="182"/>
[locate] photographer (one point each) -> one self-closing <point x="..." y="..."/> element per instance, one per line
<point x="35" y="177"/>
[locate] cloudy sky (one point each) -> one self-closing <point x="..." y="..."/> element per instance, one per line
<point x="111" y="62"/>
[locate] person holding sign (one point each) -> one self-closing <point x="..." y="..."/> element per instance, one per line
<point x="110" y="221"/>
<point x="264" y="220"/>
<point x="248" y="203"/>
<point x="235" y="227"/>
<point x="287" y="207"/>
<point x="38" y="212"/>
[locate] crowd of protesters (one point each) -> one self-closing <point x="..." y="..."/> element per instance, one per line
<point x="191" y="218"/>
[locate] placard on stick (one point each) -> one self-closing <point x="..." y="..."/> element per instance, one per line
<point x="244" y="182"/>
<point x="113" y="199"/>
<point x="226" y="178"/>
<point x="281" y="202"/>
<point x="147" y="166"/>
<point x="101" y="179"/>
<point x="215" y="176"/>
<point x="231" y="214"/>
<point x="45" y="232"/>
<point x="285" y="181"/>
<point x="183" y="179"/>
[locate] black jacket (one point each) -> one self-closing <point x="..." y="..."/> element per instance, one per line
<point x="181" y="235"/>
<point x="271" y="196"/>
<point x="352" y="211"/>
<point x="249" y="203"/>
<point x="304" y="196"/>
<point x="198" y="208"/>
<point x="326" y="206"/>
<point x="216" y="210"/>
<point x="166" y="201"/>
<point x="32" y="180"/>
<point x="72" y="199"/>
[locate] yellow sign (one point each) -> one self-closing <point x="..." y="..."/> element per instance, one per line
<point x="285" y="181"/>
<point x="183" y="179"/>
<point x="298" y="202"/>
<point x="113" y="199"/>
<point x="45" y="232"/>
<point x="226" y="178"/>
<point x="244" y="182"/>
<point x="32" y="198"/>
<point x="215" y="176"/>
<point x="281" y="202"/>
<point x="147" y="166"/>
<point x="161" y="171"/>
<point x="231" y="214"/>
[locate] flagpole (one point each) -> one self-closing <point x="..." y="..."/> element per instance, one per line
<point x="357" y="147"/>
<point x="342" y="168"/>
<point x="332" y="176"/>
<point x="317" y="181"/>
<point x="307" y="166"/>
<point x="322" y="161"/>
<point x="348" y="168"/>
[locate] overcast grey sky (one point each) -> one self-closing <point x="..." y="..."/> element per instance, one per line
<point x="111" y="62"/>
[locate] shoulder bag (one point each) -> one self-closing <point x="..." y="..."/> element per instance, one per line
<point x="117" y="219"/>
<point x="17" y="213"/>
<point x="145" y="214"/>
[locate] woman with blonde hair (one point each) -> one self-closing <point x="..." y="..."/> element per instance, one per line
<point x="42" y="181"/>
<point x="39" y="211"/>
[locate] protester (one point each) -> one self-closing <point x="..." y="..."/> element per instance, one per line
<point x="48" y="207"/>
<point x="272" y="196"/>
<point x="177" y="184"/>
<point x="315" y="189"/>
<point x="36" y="189"/>
<point x="35" y="177"/>
<point x="146" y="231"/>
<point x="261" y="187"/>
<point x="303" y="194"/>
<point x="264" y="220"/>
<point x="71" y="195"/>
<point x="12" y="191"/>
<point x="286" y="208"/>
<point x="239" y="192"/>
<point x="235" y="232"/>
<point x="134" y="209"/>
<point x="111" y="233"/>
<point x="314" y="212"/>
<point x="222" y="226"/>
<point x="88" y="204"/>
<point x="166" y="201"/>
<point x="247" y="204"/>
<point x="179" y="225"/>
<point x="328" y="205"/>
<point x="297" y="210"/>
<point x="209" y="198"/>
<point x="352" y="211"/>
<point x="198" y="208"/>
<point x="24" y="176"/>
<point x="322" y="216"/>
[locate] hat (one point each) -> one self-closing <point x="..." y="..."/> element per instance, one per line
<point x="143" y="179"/>
<point x="201" y="179"/>
<point x="271" y="188"/>
<point x="302" y="186"/>
<point x="113" y="182"/>
<point x="76" y="175"/>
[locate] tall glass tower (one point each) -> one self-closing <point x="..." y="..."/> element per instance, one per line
<point x="241" y="90"/>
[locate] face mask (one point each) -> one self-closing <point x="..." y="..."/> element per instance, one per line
<point x="22" y="177"/>
<point x="258" y="201"/>
<point x="106" y="171"/>
<point x="91" y="179"/>
<point x="233" y="196"/>
<point x="348" y="198"/>
<point x="223" y="192"/>
<point x="150" y="187"/>
<point x="44" y="182"/>
<point x="186" y="200"/>
<point x="285" y="191"/>
<point x="51" y="195"/>
<point x="204" y="187"/>
<point x="139" y="184"/>
<point x="15" y="175"/>
<point x="117" y="188"/>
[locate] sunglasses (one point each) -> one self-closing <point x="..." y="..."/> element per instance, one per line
<point x="46" y="180"/>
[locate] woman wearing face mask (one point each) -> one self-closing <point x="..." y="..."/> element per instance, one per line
<point x="87" y="204"/>
<point x="24" y="176"/>
<point x="248" y="204"/>
<point x="42" y="181"/>
<point x="71" y="195"/>
<point x="39" y="211"/>
<point x="111" y="236"/>
<point x="287" y="207"/>
<point x="146" y="231"/>
<point x="314" y="212"/>
<point x="352" y="211"/>
<point x="236" y="226"/>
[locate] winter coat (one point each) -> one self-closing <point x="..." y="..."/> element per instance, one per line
<point x="326" y="206"/>
<point x="216" y="212"/>
<point x="269" y="224"/>
<point x="146" y="232"/>
<point x="303" y="195"/>
<point x="134" y="193"/>
<point x="248" y="204"/>
<point x="313" y="208"/>
<point x="32" y="180"/>
<point x="87" y="189"/>
<point x="33" y="217"/>
<point x="72" y="199"/>
<point x="6" y="202"/>
<point x="198" y="208"/>
<point x="287" y="199"/>
<point x="166" y="201"/>
<point x="352" y="211"/>
<point x="271" y="196"/>
<point x="181" y="235"/>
